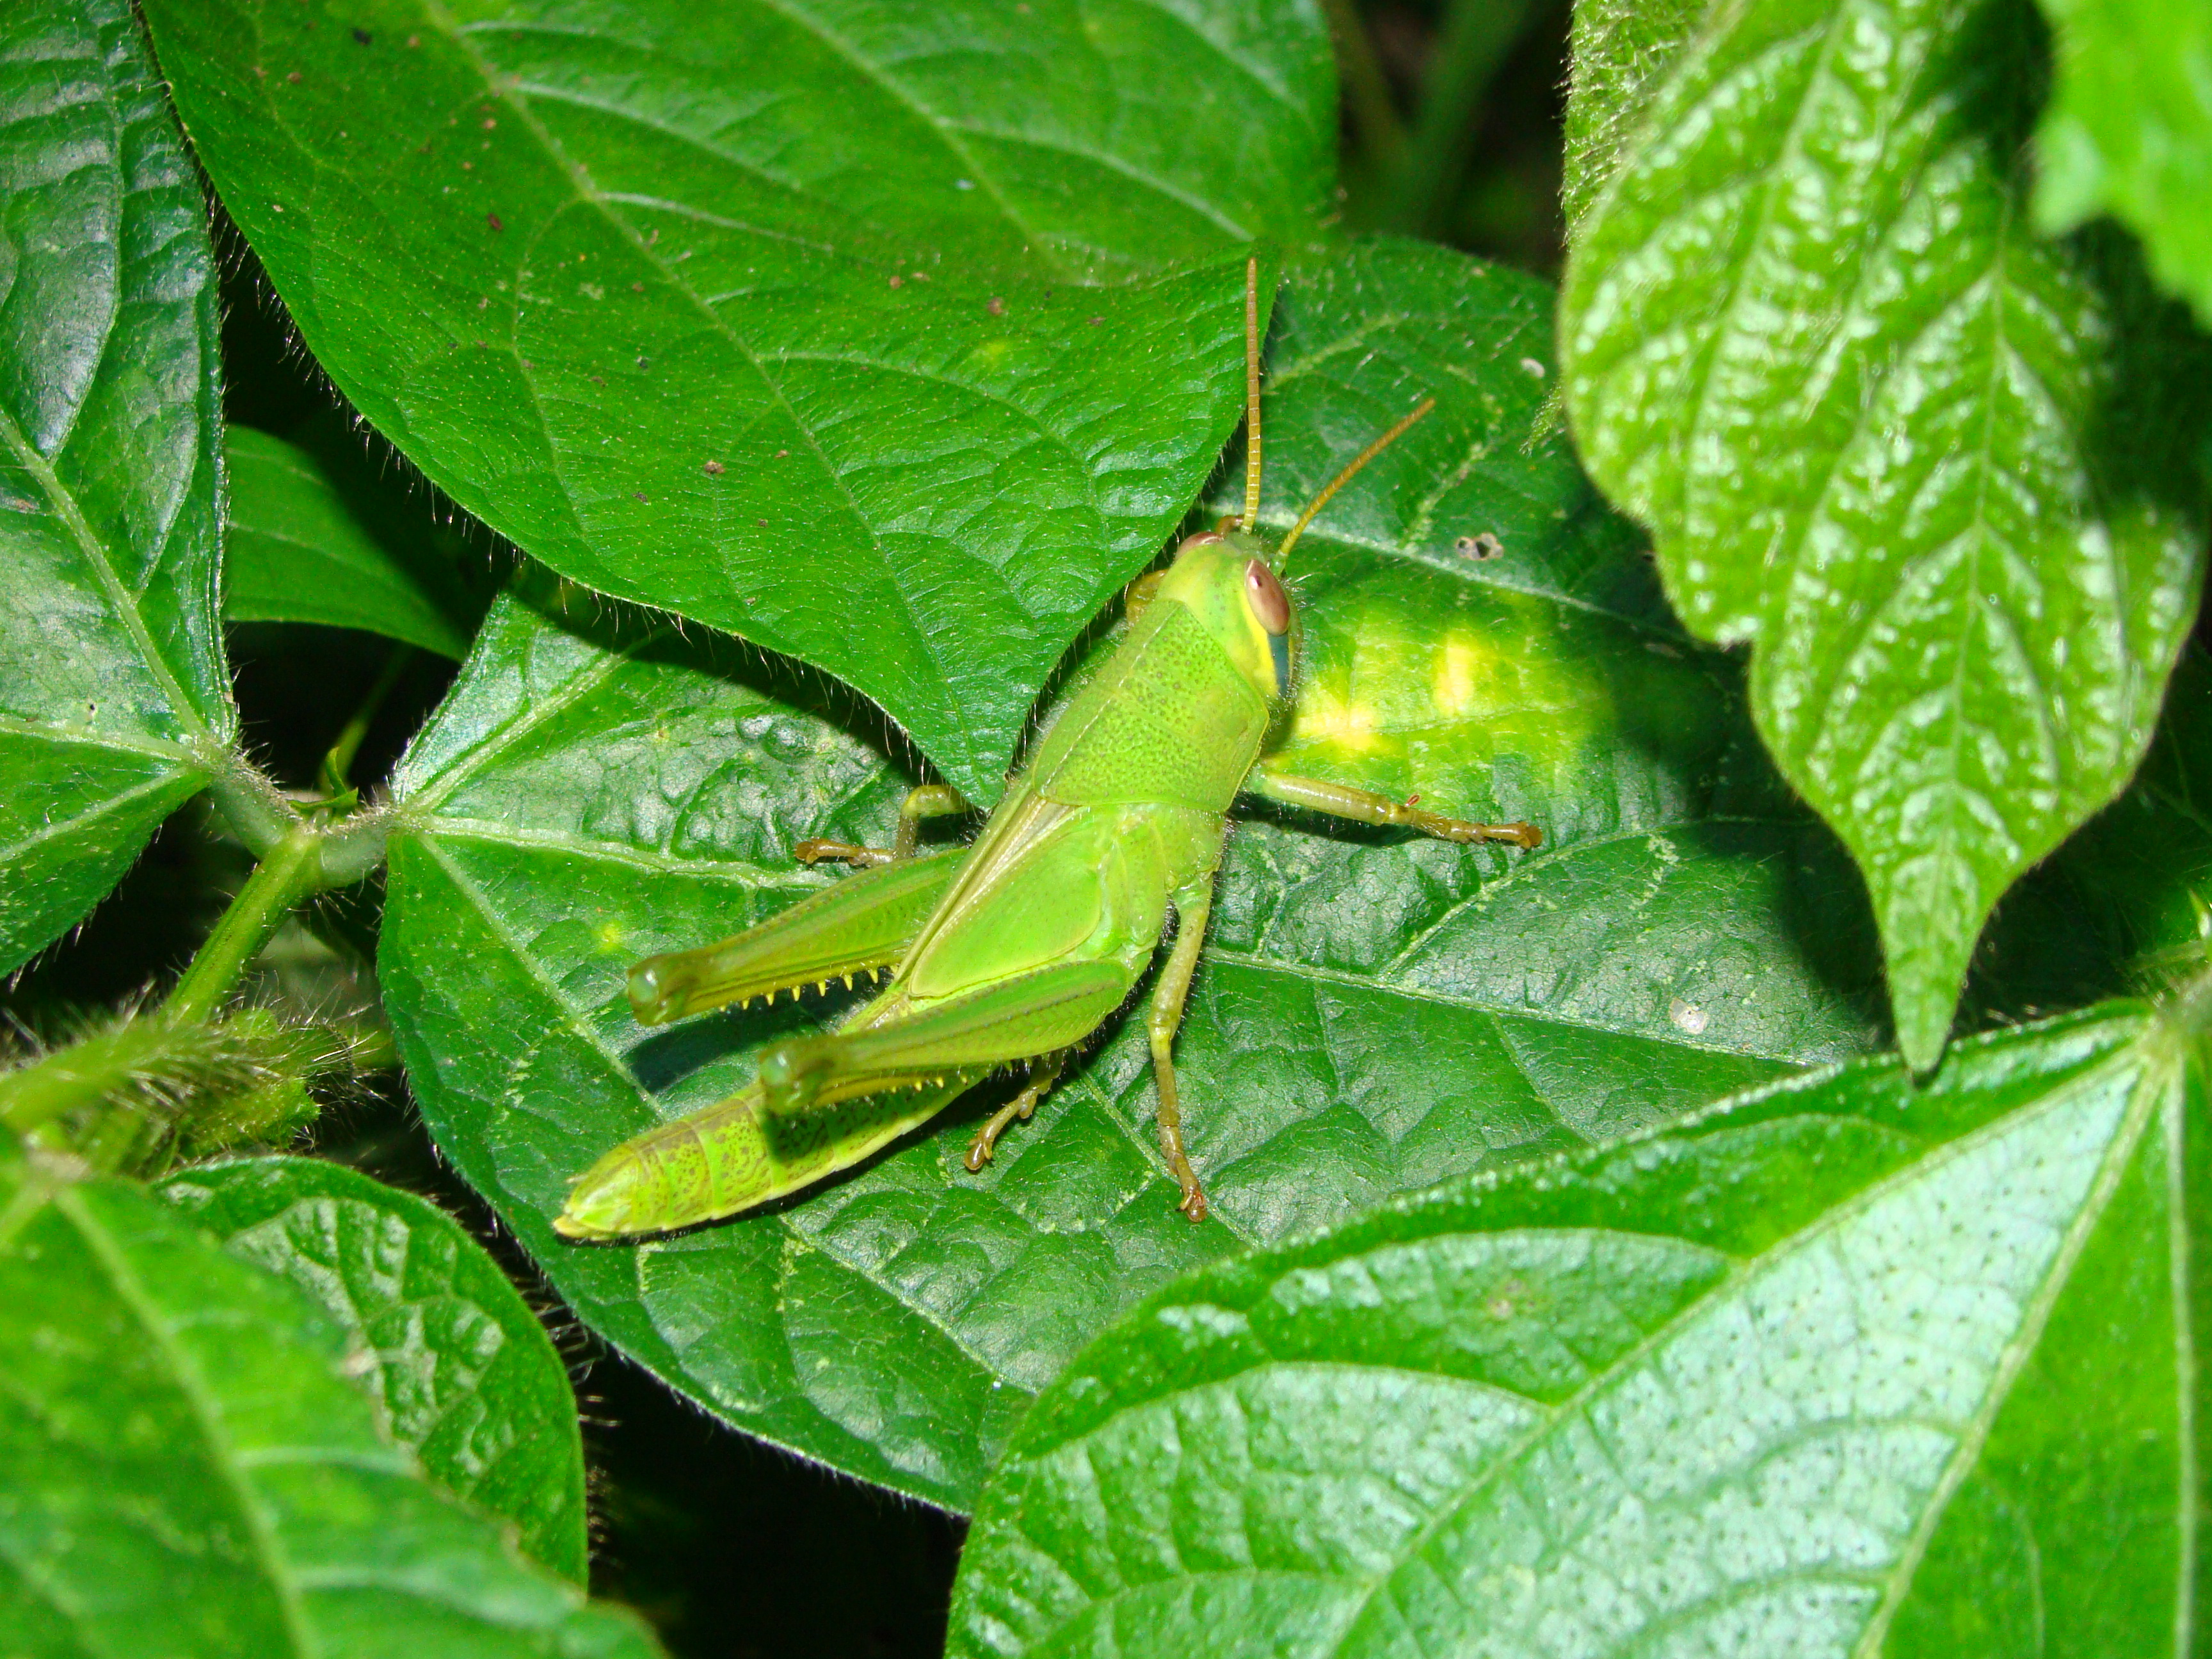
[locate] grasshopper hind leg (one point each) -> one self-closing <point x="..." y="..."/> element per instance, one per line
<point x="1044" y="1074"/>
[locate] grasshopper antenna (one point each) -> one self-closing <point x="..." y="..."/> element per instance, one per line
<point x="1283" y="553"/>
<point x="1251" y="394"/>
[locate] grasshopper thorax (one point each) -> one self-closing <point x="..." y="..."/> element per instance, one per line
<point x="1224" y="580"/>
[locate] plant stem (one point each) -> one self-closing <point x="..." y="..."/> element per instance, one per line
<point x="1375" y="123"/>
<point x="96" y="1069"/>
<point x="290" y="873"/>
<point x="1477" y="34"/>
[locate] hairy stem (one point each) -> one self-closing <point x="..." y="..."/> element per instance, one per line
<point x="287" y="873"/>
<point x="99" y="1068"/>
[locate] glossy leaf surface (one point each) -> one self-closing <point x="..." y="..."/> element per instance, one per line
<point x="302" y="551"/>
<point x="2128" y="132"/>
<point x="1373" y="1014"/>
<point x="1938" y="472"/>
<point x="1811" y="1375"/>
<point x="840" y="327"/>
<point x="191" y="1472"/>
<point x="110" y="458"/>
<point x="462" y="1374"/>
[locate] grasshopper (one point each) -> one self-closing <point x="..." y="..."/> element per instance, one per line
<point x="1014" y="949"/>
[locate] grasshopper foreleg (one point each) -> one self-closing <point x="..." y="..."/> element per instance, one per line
<point x="1044" y="1074"/>
<point x="931" y="801"/>
<point x="1192" y="906"/>
<point x="1341" y="800"/>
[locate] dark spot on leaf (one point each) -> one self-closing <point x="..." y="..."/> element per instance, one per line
<point x="643" y="363"/>
<point x="294" y="78"/>
<point x="262" y="74"/>
<point x="637" y="287"/>
<point x="714" y="469"/>
<point x="362" y="36"/>
<point x="1097" y="322"/>
<point x="897" y="280"/>
<point x="414" y="39"/>
<point x="640" y="494"/>
<point x="490" y="124"/>
<point x="762" y="523"/>
<point x="997" y="307"/>
<point x="492" y="219"/>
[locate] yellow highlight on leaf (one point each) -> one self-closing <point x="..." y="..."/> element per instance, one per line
<point x="1330" y="714"/>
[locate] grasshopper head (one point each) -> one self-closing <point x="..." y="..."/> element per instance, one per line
<point x="1225" y="580"/>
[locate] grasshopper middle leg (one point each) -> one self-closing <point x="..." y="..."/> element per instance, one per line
<point x="1163" y="1019"/>
<point x="931" y="801"/>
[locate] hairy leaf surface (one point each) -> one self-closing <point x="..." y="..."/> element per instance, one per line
<point x="1938" y="472"/>
<point x="1373" y="1013"/>
<point x="893" y="338"/>
<point x="110" y="461"/>
<point x="463" y="1375"/>
<point x="1808" y="1375"/>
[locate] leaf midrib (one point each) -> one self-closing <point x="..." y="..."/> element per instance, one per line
<point x="207" y="1415"/>
<point x="1748" y="1268"/>
<point x="121" y="601"/>
<point x="587" y="192"/>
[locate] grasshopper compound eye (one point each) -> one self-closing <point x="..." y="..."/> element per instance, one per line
<point x="1270" y="604"/>
<point x="1271" y="608"/>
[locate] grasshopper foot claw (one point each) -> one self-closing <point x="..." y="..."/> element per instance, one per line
<point x="1194" y="1199"/>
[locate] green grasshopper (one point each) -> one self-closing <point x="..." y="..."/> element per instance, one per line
<point x="1015" y="949"/>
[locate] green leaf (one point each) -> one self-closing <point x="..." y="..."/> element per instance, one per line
<point x="1939" y="473"/>
<point x="628" y="296"/>
<point x="191" y="1472"/>
<point x="1846" y="1365"/>
<point x="461" y="1372"/>
<point x="115" y="694"/>
<point x="1373" y="1014"/>
<point x="2128" y="132"/>
<point x="304" y="548"/>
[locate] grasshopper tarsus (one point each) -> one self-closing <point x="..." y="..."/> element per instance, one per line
<point x="1526" y="836"/>
<point x="1023" y="1106"/>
